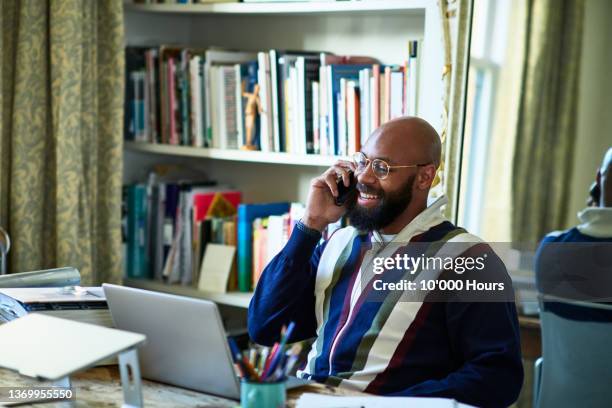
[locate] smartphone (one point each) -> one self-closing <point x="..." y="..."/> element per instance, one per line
<point x="345" y="193"/>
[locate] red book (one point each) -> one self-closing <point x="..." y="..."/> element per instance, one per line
<point x="202" y="201"/>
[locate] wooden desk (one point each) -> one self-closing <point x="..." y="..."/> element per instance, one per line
<point x="101" y="387"/>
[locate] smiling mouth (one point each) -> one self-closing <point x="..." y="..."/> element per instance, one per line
<point x="365" y="196"/>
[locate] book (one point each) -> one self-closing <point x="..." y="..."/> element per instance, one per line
<point x="308" y="72"/>
<point x="137" y="218"/>
<point x="251" y="124"/>
<point x="246" y="214"/>
<point x="280" y="63"/>
<point x="375" y="96"/>
<point x="203" y="201"/>
<point x="335" y="73"/>
<point x="352" y="117"/>
<point x="396" y="90"/>
<point x="414" y="50"/>
<point x="212" y="58"/>
<point x="88" y="305"/>
<point x="134" y="62"/>
<point x="267" y="137"/>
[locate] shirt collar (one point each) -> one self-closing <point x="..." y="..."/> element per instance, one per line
<point x="596" y="222"/>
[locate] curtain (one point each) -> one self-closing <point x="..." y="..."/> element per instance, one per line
<point x="62" y="75"/>
<point x="455" y="18"/>
<point x="546" y="127"/>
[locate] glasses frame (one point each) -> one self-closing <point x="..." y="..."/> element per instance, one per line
<point x="372" y="161"/>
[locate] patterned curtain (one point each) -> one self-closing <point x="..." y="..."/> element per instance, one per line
<point x="62" y="74"/>
<point x="455" y="18"/>
<point x="547" y="118"/>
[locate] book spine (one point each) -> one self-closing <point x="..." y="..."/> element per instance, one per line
<point x="351" y="117"/>
<point x="301" y="105"/>
<point x="323" y="131"/>
<point x="239" y="110"/>
<point x="376" y="96"/>
<point x="151" y="87"/>
<point x="229" y="101"/>
<point x="295" y="112"/>
<point x="195" y="111"/>
<point x="172" y="102"/>
<point x="331" y="113"/>
<point x="315" y="118"/>
<point x="202" y="140"/>
<point x="414" y="66"/>
<point x="183" y="75"/>
<point x="137" y="220"/>
<point x="387" y="100"/>
<point x="342" y="130"/>
<point x="287" y="102"/>
<point x="276" y="116"/>
<point x="396" y="90"/>
<point x="263" y="61"/>
<point x="245" y="249"/>
<point x="222" y="105"/>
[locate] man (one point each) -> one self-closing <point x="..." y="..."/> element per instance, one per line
<point x="464" y="350"/>
<point x="576" y="263"/>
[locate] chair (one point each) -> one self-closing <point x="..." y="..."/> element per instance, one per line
<point x="575" y="369"/>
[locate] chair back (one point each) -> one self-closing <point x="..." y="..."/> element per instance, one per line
<point x="577" y="354"/>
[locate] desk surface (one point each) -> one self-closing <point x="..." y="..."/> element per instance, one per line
<point x="101" y="386"/>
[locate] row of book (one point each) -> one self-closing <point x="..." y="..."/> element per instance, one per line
<point x="276" y="101"/>
<point x="169" y="226"/>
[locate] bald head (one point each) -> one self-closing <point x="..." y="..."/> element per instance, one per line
<point x="414" y="138"/>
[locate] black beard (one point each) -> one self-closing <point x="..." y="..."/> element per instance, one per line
<point x="390" y="207"/>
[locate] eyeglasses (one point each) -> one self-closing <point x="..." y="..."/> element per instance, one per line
<point x="380" y="168"/>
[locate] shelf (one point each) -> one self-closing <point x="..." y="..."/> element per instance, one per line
<point x="234" y="155"/>
<point x="236" y="299"/>
<point x="280" y="8"/>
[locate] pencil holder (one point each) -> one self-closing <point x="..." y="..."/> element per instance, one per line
<point x="262" y="394"/>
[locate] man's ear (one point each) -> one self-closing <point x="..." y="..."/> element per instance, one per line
<point x="425" y="177"/>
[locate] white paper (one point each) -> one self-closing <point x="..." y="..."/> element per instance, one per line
<point x="310" y="400"/>
<point x="216" y="268"/>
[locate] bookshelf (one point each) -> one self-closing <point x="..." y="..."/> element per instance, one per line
<point x="376" y="28"/>
<point x="316" y="7"/>
<point x="312" y="160"/>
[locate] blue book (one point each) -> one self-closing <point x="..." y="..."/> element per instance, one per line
<point x="246" y="214"/>
<point x="137" y="261"/>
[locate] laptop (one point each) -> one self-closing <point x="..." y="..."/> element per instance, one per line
<point x="186" y="343"/>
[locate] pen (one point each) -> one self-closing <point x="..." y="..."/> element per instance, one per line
<point x="249" y="369"/>
<point x="263" y="358"/>
<point x="276" y="358"/>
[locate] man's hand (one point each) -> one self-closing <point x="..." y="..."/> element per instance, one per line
<point x="321" y="208"/>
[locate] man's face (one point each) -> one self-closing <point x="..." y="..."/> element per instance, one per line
<point x="381" y="201"/>
<point x="368" y="214"/>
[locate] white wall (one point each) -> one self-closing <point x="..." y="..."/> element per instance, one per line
<point x="594" y="128"/>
